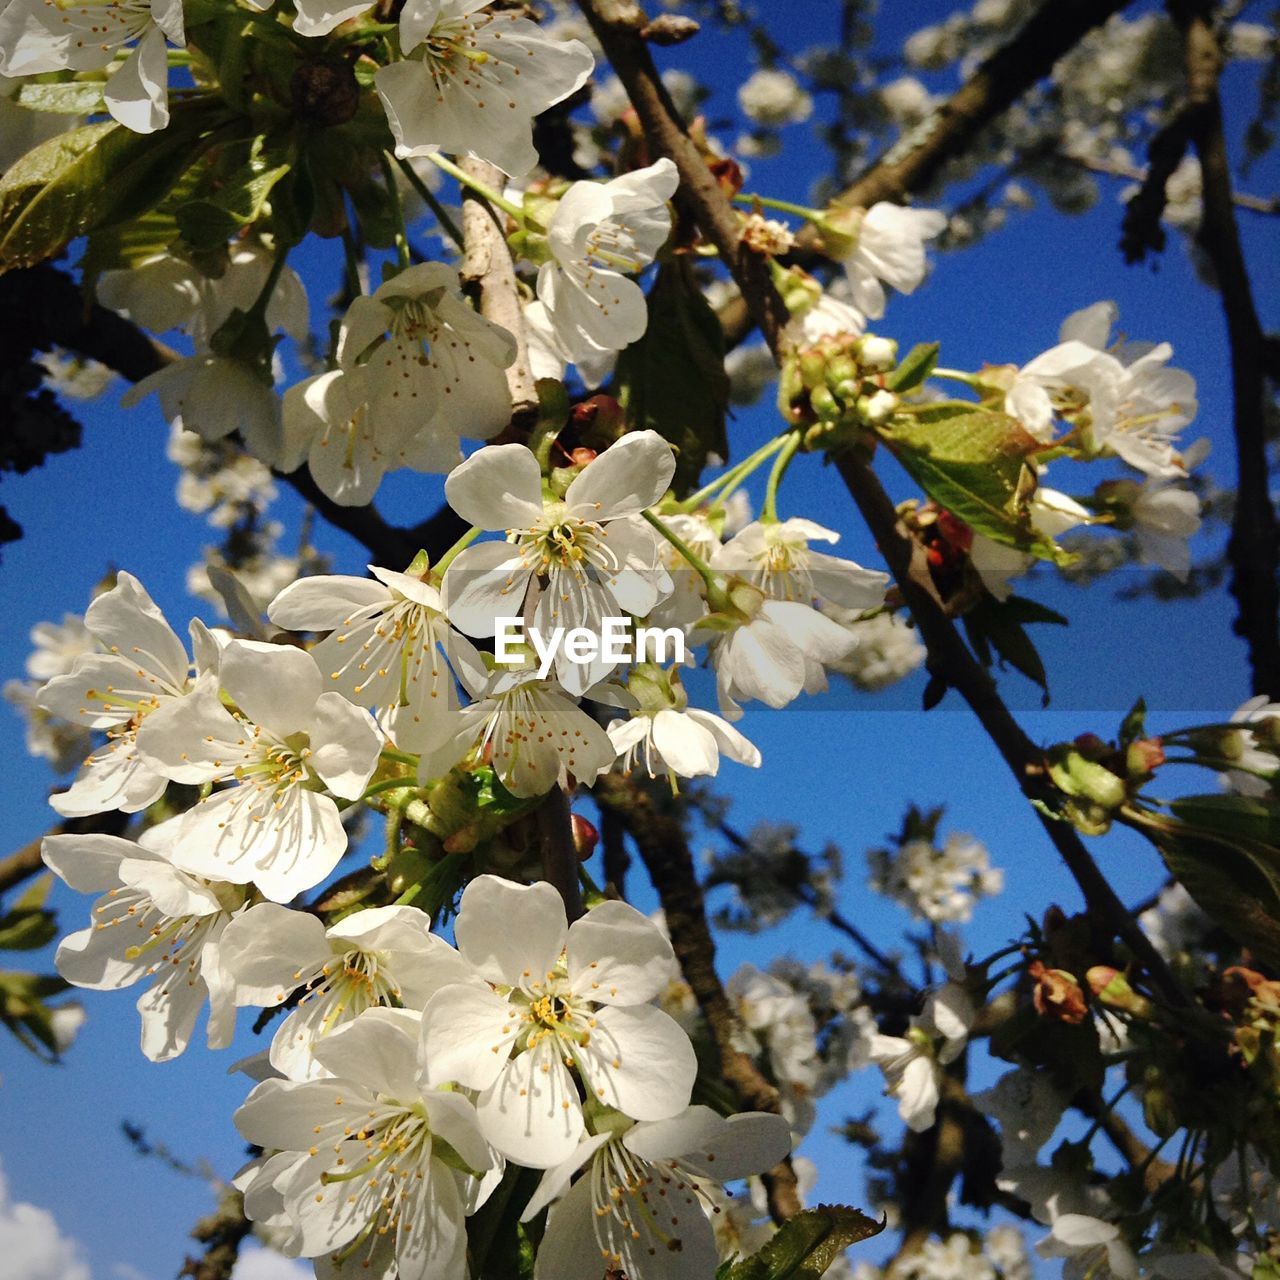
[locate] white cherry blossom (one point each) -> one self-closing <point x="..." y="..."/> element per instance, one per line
<point x="668" y="735"/>
<point x="216" y="396"/>
<point x="775" y="652"/>
<point x="912" y="1065"/>
<point x="145" y="667"/>
<point x="888" y="248"/>
<point x="1123" y="398"/>
<point x="643" y="1203"/>
<point x="433" y="369"/>
<point x="153" y="924"/>
<point x="1093" y="1247"/>
<point x="274" y="825"/>
<point x="598" y="232"/>
<point x="382" y="956"/>
<point x="167" y="291"/>
<point x="776" y="557"/>
<point x="597" y="557"/>
<point x="375" y="1172"/>
<point x="385" y="647"/>
<point x="37" y="36"/>
<point x="1165" y="518"/>
<point x="473" y="79"/>
<point x="561" y="1000"/>
<point x="532" y="732"/>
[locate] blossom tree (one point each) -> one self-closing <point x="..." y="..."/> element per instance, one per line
<point x="492" y="1052"/>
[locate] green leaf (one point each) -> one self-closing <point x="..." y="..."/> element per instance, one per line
<point x="74" y="98"/>
<point x="914" y="367"/>
<point x="1224" y="851"/>
<point x="806" y="1245"/>
<point x="1134" y="725"/>
<point x="974" y="462"/>
<point x="998" y="625"/>
<point x="240" y="199"/>
<point x="95" y="176"/>
<point x="673" y="379"/>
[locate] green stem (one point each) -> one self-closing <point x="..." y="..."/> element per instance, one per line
<point x="704" y="570"/>
<point x="397" y="212"/>
<point x="399" y="757"/>
<point x="956" y="375"/>
<point x="783" y="206"/>
<point x="493" y="197"/>
<point x="452" y="554"/>
<point x="732" y="478"/>
<point x="443" y="217"/>
<point x="769" y="512"/>
<point x="389" y="784"/>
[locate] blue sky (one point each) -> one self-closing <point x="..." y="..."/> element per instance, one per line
<point x="843" y="774"/>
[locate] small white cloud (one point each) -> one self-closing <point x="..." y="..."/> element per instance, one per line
<point x="257" y="1263"/>
<point x="127" y="1271"/>
<point x="32" y="1246"/>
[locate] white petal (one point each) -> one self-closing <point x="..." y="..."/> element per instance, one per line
<point x="276" y="686"/>
<point x="467" y="1033"/>
<point x="487" y="940"/>
<point x="617" y="955"/>
<point x="137" y="93"/>
<point x="719" y="1148"/>
<point x="531" y="1113"/>
<point x="265" y="949"/>
<point x="640" y="1061"/>
<point x="379" y="1048"/>
<point x="498" y="487"/>
<point x="345" y="745"/>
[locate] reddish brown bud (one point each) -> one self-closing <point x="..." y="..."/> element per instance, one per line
<point x="585" y="837"/>
<point x="1057" y="994"/>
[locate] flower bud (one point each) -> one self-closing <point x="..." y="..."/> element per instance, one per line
<point x="1110" y="987"/>
<point x="1143" y="757"/>
<point x="1057" y="994"/>
<point x="585" y="837"/>
<point x="876" y="354"/>
<point x="878" y="408"/>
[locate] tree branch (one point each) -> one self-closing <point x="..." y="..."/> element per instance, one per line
<point x="487" y="266"/>
<point x="1255" y="542"/>
<point x="559" y="857"/>
<point x="949" y="657"/>
<point x="659" y="838"/>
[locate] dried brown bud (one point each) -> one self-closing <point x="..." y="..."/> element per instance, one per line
<point x="324" y="92"/>
<point x="1057" y="994"/>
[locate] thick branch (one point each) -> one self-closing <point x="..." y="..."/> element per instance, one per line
<point x="487" y="265"/>
<point x="1054" y="30"/>
<point x="559" y="857"/>
<point x="1255" y="542"/>
<point x="660" y="839"/>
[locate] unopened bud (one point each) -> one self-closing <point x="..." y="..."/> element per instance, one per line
<point x="876" y="354"/>
<point x="585" y="837"/>
<point x="878" y="408"/>
<point x="1111" y="987"/>
<point x="1143" y="757"/>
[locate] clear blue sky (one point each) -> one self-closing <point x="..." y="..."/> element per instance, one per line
<point x="842" y="774"/>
